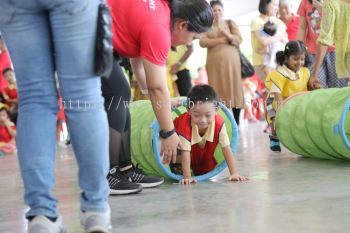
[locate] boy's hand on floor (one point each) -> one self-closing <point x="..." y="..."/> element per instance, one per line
<point x="237" y="177"/>
<point x="187" y="181"/>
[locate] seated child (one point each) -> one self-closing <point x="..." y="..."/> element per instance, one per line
<point x="291" y="76"/>
<point x="269" y="57"/>
<point x="10" y="93"/>
<point x="7" y="132"/>
<point x="200" y="130"/>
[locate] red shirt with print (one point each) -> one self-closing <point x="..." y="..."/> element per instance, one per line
<point x="141" y="28"/>
<point x="313" y="20"/>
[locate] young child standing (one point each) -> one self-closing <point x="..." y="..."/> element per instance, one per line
<point x="291" y="76"/>
<point x="200" y="130"/>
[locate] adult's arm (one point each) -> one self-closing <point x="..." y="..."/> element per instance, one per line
<point x="206" y="42"/>
<point x="160" y="99"/>
<point x="302" y="29"/>
<point x="234" y="35"/>
<point x="320" y="54"/>
<point x="139" y="72"/>
<point x="325" y="39"/>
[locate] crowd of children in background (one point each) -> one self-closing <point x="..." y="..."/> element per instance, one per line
<point x="8" y="113"/>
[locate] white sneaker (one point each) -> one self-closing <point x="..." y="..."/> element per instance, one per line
<point x="41" y="224"/>
<point x="96" y="222"/>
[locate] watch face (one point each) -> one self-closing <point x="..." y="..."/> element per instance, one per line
<point x="162" y="134"/>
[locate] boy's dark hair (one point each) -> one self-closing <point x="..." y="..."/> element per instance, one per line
<point x="216" y="2"/>
<point x="263" y="6"/>
<point x="270" y="28"/>
<point x="293" y="47"/>
<point x="198" y="13"/>
<point x="7" y="70"/>
<point x="200" y="94"/>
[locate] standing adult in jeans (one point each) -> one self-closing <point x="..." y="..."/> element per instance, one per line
<point x="44" y="37"/>
<point x="144" y="31"/>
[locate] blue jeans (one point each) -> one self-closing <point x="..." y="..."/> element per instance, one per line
<point x="44" y="37"/>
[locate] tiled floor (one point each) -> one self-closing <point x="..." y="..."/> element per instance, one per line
<point x="286" y="194"/>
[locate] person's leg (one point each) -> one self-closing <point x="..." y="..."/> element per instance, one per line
<point x="116" y="91"/>
<point x="332" y="78"/>
<point x="73" y="26"/>
<point x="183" y="82"/>
<point x="270" y="118"/>
<point x="236" y="114"/>
<point x="33" y="61"/>
<point x="323" y="75"/>
<point x="274" y="141"/>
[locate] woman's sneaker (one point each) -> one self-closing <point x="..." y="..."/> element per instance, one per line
<point x="96" y="222"/>
<point x="120" y="184"/>
<point x="138" y="176"/>
<point x="41" y="224"/>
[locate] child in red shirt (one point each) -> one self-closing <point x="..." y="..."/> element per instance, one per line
<point x="7" y="132"/>
<point x="10" y="92"/>
<point x="200" y="130"/>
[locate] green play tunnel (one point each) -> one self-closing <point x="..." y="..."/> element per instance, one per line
<point x="145" y="149"/>
<point x="316" y="124"/>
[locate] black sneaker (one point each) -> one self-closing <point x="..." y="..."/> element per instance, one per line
<point x="275" y="145"/>
<point x="120" y="184"/>
<point x="138" y="176"/>
<point x="176" y="168"/>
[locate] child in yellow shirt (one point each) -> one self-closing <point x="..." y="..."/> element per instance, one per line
<point x="291" y="76"/>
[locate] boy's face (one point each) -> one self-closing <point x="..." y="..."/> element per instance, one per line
<point x="202" y="114"/>
<point x="10" y="77"/>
